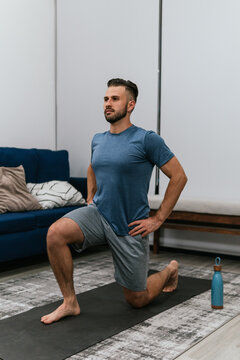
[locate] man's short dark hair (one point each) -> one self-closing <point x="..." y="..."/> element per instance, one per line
<point x="129" y="86"/>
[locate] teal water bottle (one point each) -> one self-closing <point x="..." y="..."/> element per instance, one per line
<point x="217" y="285"/>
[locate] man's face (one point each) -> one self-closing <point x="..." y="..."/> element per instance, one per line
<point x="115" y="103"/>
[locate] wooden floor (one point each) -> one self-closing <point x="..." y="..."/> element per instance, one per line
<point x="222" y="344"/>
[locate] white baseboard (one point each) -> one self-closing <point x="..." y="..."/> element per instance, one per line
<point x="200" y="241"/>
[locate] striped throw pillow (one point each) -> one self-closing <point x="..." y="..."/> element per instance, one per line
<point x="56" y="193"/>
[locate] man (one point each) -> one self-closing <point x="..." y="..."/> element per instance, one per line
<point x="118" y="212"/>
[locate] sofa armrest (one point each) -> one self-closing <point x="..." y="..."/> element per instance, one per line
<point x="80" y="183"/>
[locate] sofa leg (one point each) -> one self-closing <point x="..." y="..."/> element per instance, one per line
<point x="156" y="241"/>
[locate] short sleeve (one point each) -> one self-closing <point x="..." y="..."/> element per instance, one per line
<point x="157" y="151"/>
<point x="93" y="143"/>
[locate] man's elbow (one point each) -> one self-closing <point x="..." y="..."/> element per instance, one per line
<point x="180" y="178"/>
<point x="183" y="179"/>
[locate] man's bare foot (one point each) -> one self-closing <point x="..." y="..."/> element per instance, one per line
<point x="172" y="283"/>
<point x="61" y="312"/>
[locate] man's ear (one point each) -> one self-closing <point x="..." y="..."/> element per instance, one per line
<point x="131" y="105"/>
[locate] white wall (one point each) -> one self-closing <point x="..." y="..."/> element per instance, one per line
<point x="99" y="40"/>
<point x="201" y="90"/>
<point x="27" y="111"/>
<point x="201" y="107"/>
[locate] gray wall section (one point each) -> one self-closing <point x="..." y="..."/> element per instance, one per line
<point x="27" y="93"/>
<point x="201" y="89"/>
<point x="201" y="107"/>
<point x="99" y="40"/>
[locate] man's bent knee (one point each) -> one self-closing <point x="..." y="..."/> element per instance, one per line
<point x="137" y="299"/>
<point x="54" y="236"/>
<point x="63" y="232"/>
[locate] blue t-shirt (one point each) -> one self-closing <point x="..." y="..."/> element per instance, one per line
<point x="123" y="165"/>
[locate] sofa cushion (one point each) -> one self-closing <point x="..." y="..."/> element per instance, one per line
<point x="80" y="183"/>
<point x="52" y="165"/>
<point x="22" y="244"/>
<point x="205" y="206"/>
<point x="45" y="218"/>
<point x="17" y="222"/>
<point x="11" y="223"/>
<point x="12" y="157"/>
<point x="14" y="195"/>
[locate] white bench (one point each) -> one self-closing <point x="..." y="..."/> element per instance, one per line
<point x="199" y="215"/>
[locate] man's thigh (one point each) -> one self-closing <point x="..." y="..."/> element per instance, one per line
<point x="131" y="257"/>
<point x="89" y="221"/>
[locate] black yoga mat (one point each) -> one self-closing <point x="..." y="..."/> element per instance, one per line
<point x="104" y="313"/>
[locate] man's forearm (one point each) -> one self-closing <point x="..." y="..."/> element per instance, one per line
<point x="91" y="184"/>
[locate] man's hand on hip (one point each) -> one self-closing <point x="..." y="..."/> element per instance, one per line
<point x="145" y="226"/>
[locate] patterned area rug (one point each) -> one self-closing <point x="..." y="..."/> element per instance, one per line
<point x="164" y="336"/>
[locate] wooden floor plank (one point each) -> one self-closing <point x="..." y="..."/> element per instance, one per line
<point x="222" y="344"/>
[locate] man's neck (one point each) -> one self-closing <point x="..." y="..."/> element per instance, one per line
<point x="120" y="126"/>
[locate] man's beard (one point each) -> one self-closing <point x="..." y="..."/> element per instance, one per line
<point x="117" y="116"/>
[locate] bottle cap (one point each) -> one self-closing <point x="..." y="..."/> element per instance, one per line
<point x="217" y="266"/>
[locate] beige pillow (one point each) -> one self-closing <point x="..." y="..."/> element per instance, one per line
<point x="14" y="195"/>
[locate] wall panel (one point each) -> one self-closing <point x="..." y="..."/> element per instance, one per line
<point x="99" y="40"/>
<point x="27" y="111"/>
<point x="200" y="93"/>
<point x="201" y="107"/>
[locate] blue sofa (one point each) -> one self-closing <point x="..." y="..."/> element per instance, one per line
<point x="23" y="234"/>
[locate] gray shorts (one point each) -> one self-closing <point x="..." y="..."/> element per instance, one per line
<point x="130" y="254"/>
